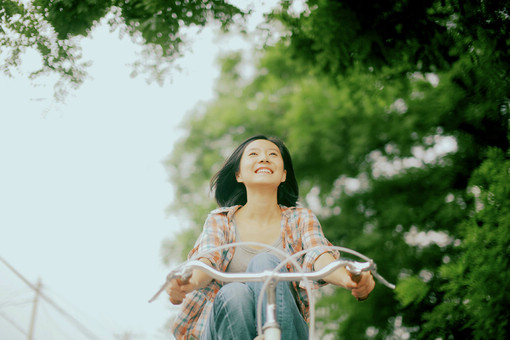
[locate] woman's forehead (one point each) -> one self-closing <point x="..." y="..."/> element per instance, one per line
<point x="262" y="144"/>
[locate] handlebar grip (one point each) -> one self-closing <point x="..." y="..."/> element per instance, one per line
<point x="355" y="269"/>
<point x="355" y="277"/>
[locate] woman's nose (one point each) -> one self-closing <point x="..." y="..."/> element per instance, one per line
<point x="263" y="158"/>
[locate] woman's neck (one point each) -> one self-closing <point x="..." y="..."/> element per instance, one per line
<point x="261" y="207"/>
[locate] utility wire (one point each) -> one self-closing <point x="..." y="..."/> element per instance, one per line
<point x="79" y="313"/>
<point x="82" y="328"/>
<point x="52" y="326"/>
<point x="13" y="324"/>
<point x="15" y="297"/>
<point x="14" y="303"/>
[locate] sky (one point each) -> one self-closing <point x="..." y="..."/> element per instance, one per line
<point x="83" y="190"/>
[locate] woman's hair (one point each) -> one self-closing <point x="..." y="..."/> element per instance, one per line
<point x="229" y="192"/>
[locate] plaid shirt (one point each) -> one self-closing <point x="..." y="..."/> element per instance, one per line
<point x="300" y="229"/>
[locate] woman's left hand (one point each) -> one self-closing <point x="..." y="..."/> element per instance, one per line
<point x="364" y="284"/>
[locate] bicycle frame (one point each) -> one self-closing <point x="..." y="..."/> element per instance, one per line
<point x="271" y="329"/>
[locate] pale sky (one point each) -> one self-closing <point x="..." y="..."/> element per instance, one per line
<point x="83" y="190"/>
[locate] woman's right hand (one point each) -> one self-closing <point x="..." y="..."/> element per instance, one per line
<point x="177" y="289"/>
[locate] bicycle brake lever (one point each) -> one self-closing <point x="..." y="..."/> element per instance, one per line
<point x="383" y="280"/>
<point x="355" y="269"/>
<point x="183" y="275"/>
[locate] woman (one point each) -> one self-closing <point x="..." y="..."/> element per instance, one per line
<point x="257" y="192"/>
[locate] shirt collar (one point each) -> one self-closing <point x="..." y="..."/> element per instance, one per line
<point x="286" y="211"/>
<point x="232" y="210"/>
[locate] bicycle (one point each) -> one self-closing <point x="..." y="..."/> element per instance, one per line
<point x="271" y="329"/>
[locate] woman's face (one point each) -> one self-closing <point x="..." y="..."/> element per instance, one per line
<point x="261" y="164"/>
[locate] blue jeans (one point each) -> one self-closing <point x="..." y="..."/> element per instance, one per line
<point x="233" y="315"/>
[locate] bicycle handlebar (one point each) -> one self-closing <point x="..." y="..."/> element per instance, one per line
<point x="183" y="272"/>
<point x="358" y="267"/>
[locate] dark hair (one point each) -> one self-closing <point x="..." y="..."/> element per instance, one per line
<point x="229" y="192"/>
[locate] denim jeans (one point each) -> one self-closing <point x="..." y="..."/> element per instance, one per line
<point x="233" y="315"/>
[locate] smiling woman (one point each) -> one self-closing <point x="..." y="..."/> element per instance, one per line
<point x="257" y="192"/>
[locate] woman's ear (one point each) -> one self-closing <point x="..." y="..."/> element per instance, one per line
<point x="238" y="177"/>
<point x="284" y="177"/>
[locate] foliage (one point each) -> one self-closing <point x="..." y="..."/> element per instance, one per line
<point x="465" y="44"/>
<point x="425" y="35"/>
<point x="22" y="28"/>
<point x="387" y="110"/>
<point x="411" y="290"/>
<point x="476" y="300"/>
<point x="53" y="29"/>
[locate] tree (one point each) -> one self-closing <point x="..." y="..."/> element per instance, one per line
<point x="53" y="29"/>
<point x="22" y="28"/>
<point x="463" y="43"/>
<point x="388" y="109"/>
<point x="476" y="301"/>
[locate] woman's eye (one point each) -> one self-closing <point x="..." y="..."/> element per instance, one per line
<point x="252" y="154"/>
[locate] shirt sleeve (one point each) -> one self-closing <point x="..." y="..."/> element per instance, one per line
<point x="213" y="235"/>
<point x="312" y="237"/>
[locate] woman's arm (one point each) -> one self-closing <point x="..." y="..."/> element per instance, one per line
<point x="360" y="287"/>
<point x="212" y="236"/>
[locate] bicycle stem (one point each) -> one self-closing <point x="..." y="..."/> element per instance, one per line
<point x="271" y="325"/>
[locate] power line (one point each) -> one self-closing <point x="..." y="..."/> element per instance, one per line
<point x="82" y="328"/>
<point x="13" y="302"/>
<point x="13" y="323"/>
<point x="53" y="327"/>
<point x="77" y="312"/>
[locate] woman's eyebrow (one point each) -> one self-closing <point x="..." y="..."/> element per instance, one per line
<point x="258" y="149"/>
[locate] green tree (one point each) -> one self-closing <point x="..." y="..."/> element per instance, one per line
<point x="475" y="288"/>
<point x="465" y="44"/>
<point x="53" y="29"/>
<point x="22" y="28"/>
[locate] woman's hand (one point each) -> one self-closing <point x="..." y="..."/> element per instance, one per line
<point x="359" y="285"/>
<point x="362" y="285"/>
<point x="178" y="289"/>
